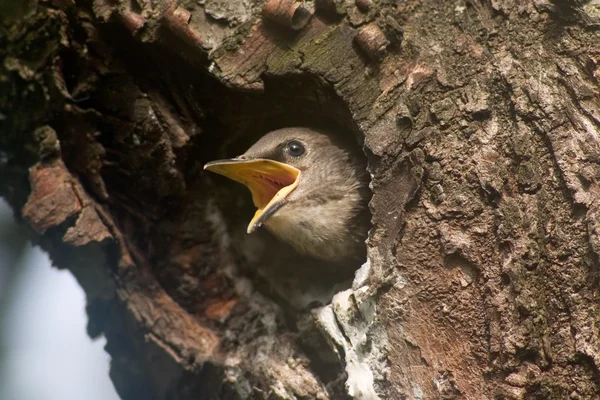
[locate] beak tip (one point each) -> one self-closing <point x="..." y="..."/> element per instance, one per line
<point x="252" y="228"/>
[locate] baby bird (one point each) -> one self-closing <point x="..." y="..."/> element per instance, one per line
<point x="311" y="190"/>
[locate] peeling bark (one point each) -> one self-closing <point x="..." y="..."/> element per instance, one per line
<point x="480" y="120"/>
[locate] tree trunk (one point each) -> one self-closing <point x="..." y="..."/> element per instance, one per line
<point x="480" y="120"/>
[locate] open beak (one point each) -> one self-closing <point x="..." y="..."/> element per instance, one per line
<point x="269" y="181"/>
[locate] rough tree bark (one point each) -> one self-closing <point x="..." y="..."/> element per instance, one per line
<point x="480" y="120"/>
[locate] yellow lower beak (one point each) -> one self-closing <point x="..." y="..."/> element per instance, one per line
<point x="270" y="182"/>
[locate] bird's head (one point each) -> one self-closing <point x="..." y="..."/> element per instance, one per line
<point x="288" y="166"/>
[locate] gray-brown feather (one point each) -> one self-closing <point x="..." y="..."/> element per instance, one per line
<point x="326" y="216"/>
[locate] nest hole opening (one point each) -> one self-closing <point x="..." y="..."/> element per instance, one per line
<point x="236" y="121"/>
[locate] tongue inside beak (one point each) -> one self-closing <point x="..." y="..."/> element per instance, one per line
<point x="270" y="182"/>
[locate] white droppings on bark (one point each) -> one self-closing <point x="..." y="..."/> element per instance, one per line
<point x="348" y="322"/>
<point x="417" y="393"/>
<point x="361" y="275"/>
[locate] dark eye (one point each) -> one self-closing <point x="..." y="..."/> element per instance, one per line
<point x="294" y="148"/>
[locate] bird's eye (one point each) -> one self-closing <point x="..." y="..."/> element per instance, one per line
<point x="294" y="148"/>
